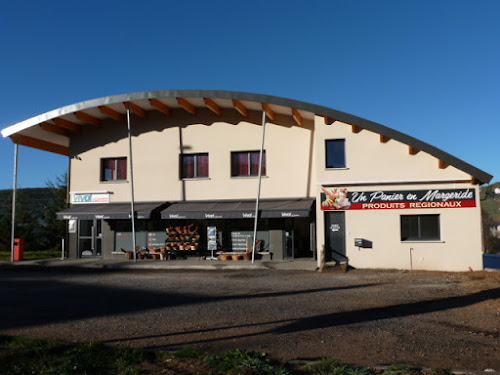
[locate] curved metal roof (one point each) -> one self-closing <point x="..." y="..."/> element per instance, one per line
<point x="75" y="114"/>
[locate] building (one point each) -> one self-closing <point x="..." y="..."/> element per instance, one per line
<point x="333" y="184"/>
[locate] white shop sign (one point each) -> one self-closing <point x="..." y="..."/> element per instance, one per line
<point x="86" y="198"/>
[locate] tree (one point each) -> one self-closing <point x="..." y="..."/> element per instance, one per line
<point x="26" y="223"/>
<point x="491" y="242"/>
<point x="53" y="230"/>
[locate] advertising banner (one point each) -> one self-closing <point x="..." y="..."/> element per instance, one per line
<point x="333" y="199"/>
<point x="85" y="198"/>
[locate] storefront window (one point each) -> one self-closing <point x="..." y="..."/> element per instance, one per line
<point x="194" y="165"/>
<point x="246" y="163"/>
<point x="113" y="169"/>
<point x="420" y="228"/>
<point x="335" y="153"/>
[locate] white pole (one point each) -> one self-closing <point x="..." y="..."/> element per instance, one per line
<point x="132" y="203"/>
<point x="258" y="189"/>
<point x="14" y="191"/>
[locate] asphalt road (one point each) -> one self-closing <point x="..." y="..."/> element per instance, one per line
<point x="444" y="320"/>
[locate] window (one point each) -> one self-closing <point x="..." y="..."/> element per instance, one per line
<point x="194" y="165"/>
<point x="246" y="163"/>
<point x="420" y="228"/>
<point x="113" y="169"/>
<point x="335" y="153"/>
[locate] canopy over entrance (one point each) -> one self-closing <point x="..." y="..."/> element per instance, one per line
<point x="110" y="211"/>
<point x="239" y="209"/>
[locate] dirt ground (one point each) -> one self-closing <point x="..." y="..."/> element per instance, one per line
<point x="363" y="317"/>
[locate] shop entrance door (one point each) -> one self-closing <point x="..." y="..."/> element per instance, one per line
<point x="89" y="238"/>
<point x="335" y="236"/>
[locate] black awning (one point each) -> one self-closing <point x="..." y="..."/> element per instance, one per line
<point x="239" y="209"/>
<point x="110" y="211"/>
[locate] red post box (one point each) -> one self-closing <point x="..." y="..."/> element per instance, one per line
<point x="18" y="249"/>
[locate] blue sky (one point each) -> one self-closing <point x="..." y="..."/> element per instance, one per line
<point x="426" y="68"/>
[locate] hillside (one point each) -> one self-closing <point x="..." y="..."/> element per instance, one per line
<point x="491" y="202"/>
<point x="32" y="199"/>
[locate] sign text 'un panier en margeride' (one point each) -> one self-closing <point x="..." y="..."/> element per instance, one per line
<point x="340" y="199"/>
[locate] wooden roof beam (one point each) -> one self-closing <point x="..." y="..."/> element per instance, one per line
<point x="384" y="138"/>
<point x="160" y="106"/>
<point x="356" y="129"/>
<point x="187" y="106"/>
<point x="240" y="108"/>
<point x="69" y="125"/>
<point x="135" y="109"/>
<point x="297" y="117"/>
<point x="443" y="164"/>
<point x="48" y="127"/>
<point x="213" y="106"/>
<point x="269" y="111"/>
<point x="89" y="119"/>
<point x="413" y="150"/>
<point x="39" y="144"/>
<point x="115" y="115"/>
<point x="329" y="121"/>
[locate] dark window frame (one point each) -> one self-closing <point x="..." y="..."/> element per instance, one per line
<point x="119" y="170"/>
<point x="236" y="168"/>
<point x="335" y="164"/>
<point x="183" y="175"/>
<point x="420" y="228"/>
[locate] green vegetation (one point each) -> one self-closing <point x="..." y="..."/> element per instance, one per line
<point x="19" y="356"/>
<point x="332" y="366"/>
<point x="243" y="362"/>
<point x="490" y="210"/>
<point x="31" y="255"/>
<point x="36" y="220"/>
<point x="490" y="202"/>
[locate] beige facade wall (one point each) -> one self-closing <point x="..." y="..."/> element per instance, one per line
<point x="158" y="141"/>
<point x="371" y="163"/>
<point x="458" y="249"/>
<point x="295" y="169"/>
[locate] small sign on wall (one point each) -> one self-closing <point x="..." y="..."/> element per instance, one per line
<point x="72" y="226"/>
<point x="86" y="198"/>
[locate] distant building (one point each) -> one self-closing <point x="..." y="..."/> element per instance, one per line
<point x="333" y="185"/>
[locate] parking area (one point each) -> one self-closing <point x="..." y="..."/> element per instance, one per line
<point x="447" y="320"/>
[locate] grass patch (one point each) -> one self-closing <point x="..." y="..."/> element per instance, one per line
<point x="243" y="362"/>
<point x="32" y="255"/>
<point x="187" y="352"/>
<point x="332" y="366"/>
<point x="20" y="356"/>
<point x="402" y="368"/>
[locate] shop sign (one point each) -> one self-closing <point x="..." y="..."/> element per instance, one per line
<point x="333" y="199"/>
<point x="85" y="198"/>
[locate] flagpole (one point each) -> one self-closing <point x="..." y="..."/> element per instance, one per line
<point x="259" y="185"/>
<point x="132" y="202"/>
<point x="14" y="191"/>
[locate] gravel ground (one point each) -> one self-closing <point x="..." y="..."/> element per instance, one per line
<point x="446" y="320"/>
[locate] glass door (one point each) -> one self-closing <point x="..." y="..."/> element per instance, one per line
<point x="89" y="238"/>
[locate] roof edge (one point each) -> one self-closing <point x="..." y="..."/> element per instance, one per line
<point x="477" y="173"/>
